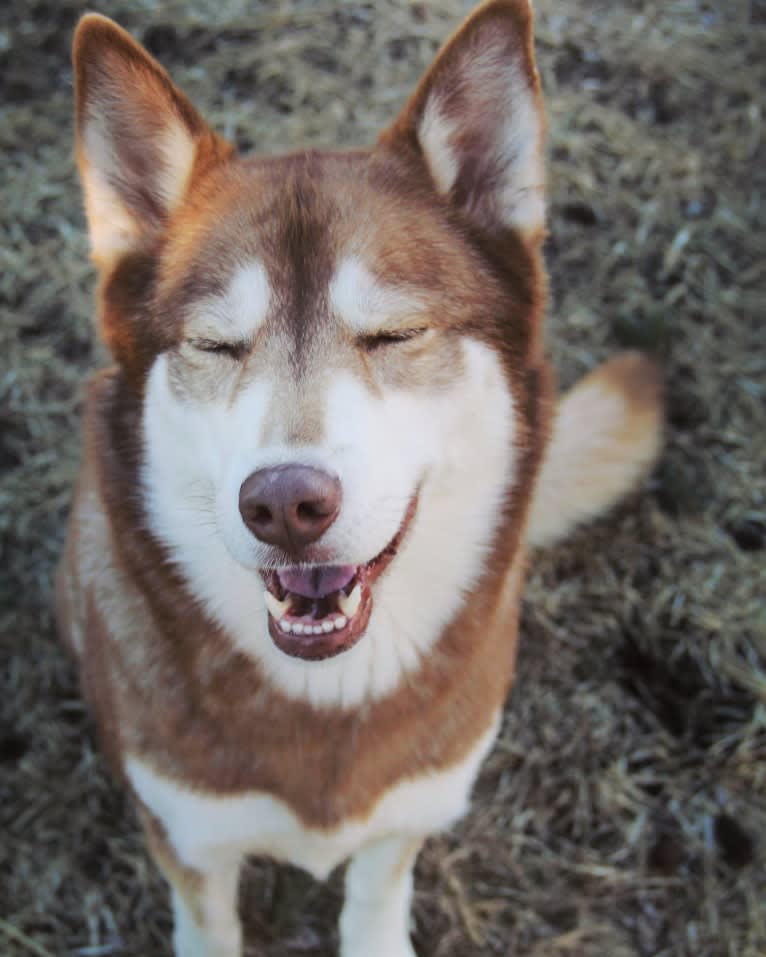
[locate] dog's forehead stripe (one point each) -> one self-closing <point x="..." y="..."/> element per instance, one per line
<point x="364" y="303"/>
<point x="241" y="309"/>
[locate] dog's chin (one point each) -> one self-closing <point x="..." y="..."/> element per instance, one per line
<point x="318" y="611"/>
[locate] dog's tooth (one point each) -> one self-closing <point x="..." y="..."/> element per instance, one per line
<point x="277" y="608"/>
<point x="299" y="629"/>
<point x="317" y="629"/>
<point x="327" y="627"/>
<point x="285" y="626"/>
<point x="349" y="604"/>
<point x="340" y="622"/>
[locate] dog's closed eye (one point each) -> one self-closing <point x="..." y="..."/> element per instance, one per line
<point x="389" y="337"/>
<point x="234" y="350"/>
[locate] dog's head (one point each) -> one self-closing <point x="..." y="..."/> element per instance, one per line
<point x="331" y="352"/>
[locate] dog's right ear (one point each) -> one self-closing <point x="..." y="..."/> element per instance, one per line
<point x="140" y="142"/>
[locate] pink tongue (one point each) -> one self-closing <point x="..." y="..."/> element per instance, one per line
<point x="316" y="581"/>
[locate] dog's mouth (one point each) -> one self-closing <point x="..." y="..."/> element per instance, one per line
<point x="319" y="611"/>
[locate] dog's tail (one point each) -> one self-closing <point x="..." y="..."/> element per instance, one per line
<point x="606" y="437"/>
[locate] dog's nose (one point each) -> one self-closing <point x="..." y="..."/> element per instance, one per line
<point x="289" y="505"/>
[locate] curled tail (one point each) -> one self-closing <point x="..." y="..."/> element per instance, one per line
<point x="606" y="437"/>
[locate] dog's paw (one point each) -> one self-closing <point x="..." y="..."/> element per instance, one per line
<point x="383" y="948"/>
<point x="189" y="941"/>
<point x="407" y="950"/>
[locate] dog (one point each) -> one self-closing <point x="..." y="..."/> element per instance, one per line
<point x="311" y="481"/>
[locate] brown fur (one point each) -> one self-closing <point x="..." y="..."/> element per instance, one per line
<point x="165" y="682"/>
<point x="201" y="712"/>
<point x="185" y="880"/>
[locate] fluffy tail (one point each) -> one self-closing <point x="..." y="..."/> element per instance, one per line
<point x="606" y="437"/>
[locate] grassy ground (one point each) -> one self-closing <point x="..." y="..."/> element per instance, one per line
<point x="623" y="809"/>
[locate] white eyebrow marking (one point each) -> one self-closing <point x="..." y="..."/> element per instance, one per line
<point x="363" y="302"/>
<point x="241" y="310"/>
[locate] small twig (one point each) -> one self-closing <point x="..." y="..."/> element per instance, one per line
<point x="13" y="933"/>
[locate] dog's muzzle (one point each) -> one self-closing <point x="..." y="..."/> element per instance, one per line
<point x="319" y="611"/>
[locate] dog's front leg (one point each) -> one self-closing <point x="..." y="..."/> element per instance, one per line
<point x="205" y="918"/>
<point x="375" y="921"/>
<point x="206" y="923"/>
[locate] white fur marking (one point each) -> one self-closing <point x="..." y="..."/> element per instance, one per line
<point x="376" y="914"/>
<point x="240" y="312"/>
<point x="220" y="934"/>
<point x="113" y="229"/>
<point x="514" y="146"/>
<point x="178" y="150"/>
<point x="435" y="131"/>
<point x="521" y="194"/>
<point x="457" y="442"/>
<point x="206" y="830"/>
<point x="365" y="303"/>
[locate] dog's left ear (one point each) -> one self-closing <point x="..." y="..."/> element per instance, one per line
<point x="477" y="122"/>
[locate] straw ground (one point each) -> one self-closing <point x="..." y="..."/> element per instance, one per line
<point x="624" y="807"/>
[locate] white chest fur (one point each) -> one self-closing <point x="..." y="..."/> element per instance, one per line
<point x="203" y="827"/>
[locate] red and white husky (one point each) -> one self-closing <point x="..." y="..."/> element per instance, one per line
<point x="297" y="550"/>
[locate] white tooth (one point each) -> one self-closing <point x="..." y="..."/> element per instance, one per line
<point x="340" y="623"/>
<point x="349" y="604"/>
<point x="277" y="608"/>
<point x="285" y="626"/>
<point x="317" y="629"/>
<point x="298" y="628"/>
<point x="327" y="627"/>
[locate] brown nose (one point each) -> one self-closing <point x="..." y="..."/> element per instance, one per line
<point x="289" y="505"/>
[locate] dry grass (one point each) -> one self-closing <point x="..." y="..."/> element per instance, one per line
<point x="622" y="809"/>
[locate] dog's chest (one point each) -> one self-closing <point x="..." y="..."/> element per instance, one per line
<point x="203" y="827"/>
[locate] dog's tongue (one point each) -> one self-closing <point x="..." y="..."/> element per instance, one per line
<point x="316" y="581"/>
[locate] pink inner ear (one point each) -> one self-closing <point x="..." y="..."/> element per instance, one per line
<point x="317" y="581"/>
